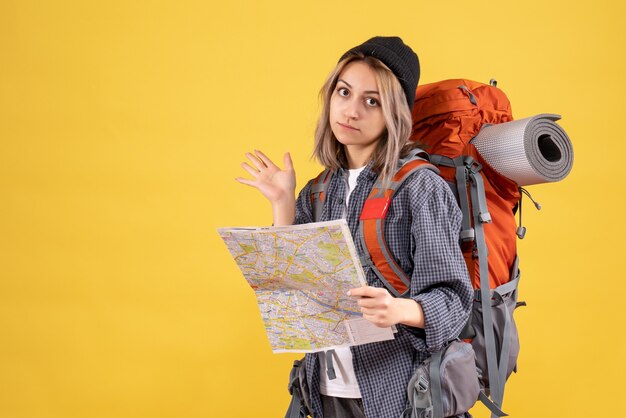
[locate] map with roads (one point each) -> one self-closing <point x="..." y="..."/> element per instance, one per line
<point x="301" y="275"/>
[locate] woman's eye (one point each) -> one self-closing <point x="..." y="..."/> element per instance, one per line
<point x="371" y="101"/>
<point x="343" y="91"/>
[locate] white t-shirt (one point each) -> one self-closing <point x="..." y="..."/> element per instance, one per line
<point x="345" y="385"/>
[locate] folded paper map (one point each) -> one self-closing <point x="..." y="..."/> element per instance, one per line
<point x="301" y="275"/>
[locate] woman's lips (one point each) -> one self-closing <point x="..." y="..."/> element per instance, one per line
<point x="352" y="128"/>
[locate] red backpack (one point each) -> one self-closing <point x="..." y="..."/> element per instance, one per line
<point x="446" y="116"/>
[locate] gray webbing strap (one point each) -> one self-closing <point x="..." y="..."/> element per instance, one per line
<point x="467" y="232"/>
<point x="317" y="209"/>
<point x="316" y="190"/>
<point x="394" y="185"/>
<point x="414" y="153"/>
<point x="330" y="364"/>
<point x="504" y="289"/>
<point x="504" y="353"/>
<point x="471" y="96"/>
<point x="435" y="387"/>
<point x="508" y="287"/>
<point x="295" y="409"/>
<point x="479" y="199"/>
<point x="490" y="342"/>
<point x="490" y="405"/>
<point x="438" y="159"/>
<point x="459" y="164"/>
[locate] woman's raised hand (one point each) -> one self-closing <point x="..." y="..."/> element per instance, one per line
<point x="277" y="185"/>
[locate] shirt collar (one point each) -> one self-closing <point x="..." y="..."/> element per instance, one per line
<point x="367" y="173"/>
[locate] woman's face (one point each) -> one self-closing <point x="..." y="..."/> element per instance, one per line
<point x="356" y="116"/>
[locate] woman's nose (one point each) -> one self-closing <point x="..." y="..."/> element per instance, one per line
<point x="351" y="110"/>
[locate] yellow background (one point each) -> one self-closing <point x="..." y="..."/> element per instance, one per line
<point x="122" y="126"/>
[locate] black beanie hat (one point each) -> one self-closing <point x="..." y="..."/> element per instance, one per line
<point x="396" y="55"/>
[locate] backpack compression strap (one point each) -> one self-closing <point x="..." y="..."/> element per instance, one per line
<point x="481" y="216"/>
<point x="372" y="225"/>
<point x="318" y="193"/>
<point x="475" y="215"/>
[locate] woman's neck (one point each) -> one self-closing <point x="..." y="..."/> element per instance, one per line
<point x="358" y="157"/>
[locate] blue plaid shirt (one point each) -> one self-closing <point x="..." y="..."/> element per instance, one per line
<point x="422" y="232"/>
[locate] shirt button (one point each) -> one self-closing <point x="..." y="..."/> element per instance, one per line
<point x="341" y="201"/>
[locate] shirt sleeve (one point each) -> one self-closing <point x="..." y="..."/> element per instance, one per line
<point x="304" y="207"/>
<point x="440" y="282"/>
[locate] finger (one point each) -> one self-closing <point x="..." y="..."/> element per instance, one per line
<point x="246" y="181"/>
<point x="357" y="291"/>
<point x="255" y="160"/>
<point x="365" y="291"/>
<point x="374" y="319"/>
<point x="368" y="311"/>
<point x="369" y="303"/>
<point x="249" y="169"/>
<point x="287" y="162"/>
<point x="264" y="159"/>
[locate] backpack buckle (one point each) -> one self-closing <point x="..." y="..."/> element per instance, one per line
<point x="422" y="384"/>
<point x="473" y="165"/>
<point x="467" y="235"/>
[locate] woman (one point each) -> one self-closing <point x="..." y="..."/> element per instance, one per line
<point x="362" y="133"/>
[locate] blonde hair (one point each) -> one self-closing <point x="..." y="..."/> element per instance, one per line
<point x="394" y="143"/>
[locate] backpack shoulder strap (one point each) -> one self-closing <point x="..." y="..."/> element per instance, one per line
<point x="319" y="189"/>
<point x="372" y="224"/>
